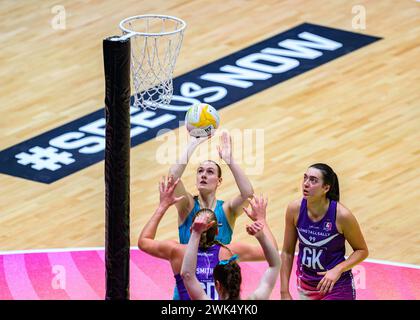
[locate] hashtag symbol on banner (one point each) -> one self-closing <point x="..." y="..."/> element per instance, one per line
<point x="45" y="158"/>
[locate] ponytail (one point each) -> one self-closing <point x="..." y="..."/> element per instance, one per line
<point x="330" y="178"/>
<point x="230" y="277"/>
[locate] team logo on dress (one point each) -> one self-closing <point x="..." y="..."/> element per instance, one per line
<point x="327" y="226"/>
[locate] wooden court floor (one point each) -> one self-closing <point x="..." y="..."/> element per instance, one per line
<point x="359" y="113"/>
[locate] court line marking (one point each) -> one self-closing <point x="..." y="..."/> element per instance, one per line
<point x="57" y="250"/>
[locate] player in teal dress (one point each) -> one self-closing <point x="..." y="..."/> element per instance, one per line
<point x="208" y="180"/>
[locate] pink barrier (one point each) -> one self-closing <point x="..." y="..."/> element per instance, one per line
<point x="80" y="275"/>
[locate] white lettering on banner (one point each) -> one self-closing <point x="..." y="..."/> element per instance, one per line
<point x="259" y="71"/>
<point x="189" y="91"/>
<point x="71" y="140"/>
<point x="193" y="90"/>
<point x="141" y="119"/>
<point x="310" y="258"/>
<point x="51" y="158"/>
<point x="44" y="158"/>
<point x="236" y="76"/>
<point x="175" y="98"/>
<point x="94" y="144"/>
<point x="284" y="64"/>
<point x="90" y="138"/>
<point x="135" y="131"/>
<point x="95" y="127"/>
<point x="300" y="49"/>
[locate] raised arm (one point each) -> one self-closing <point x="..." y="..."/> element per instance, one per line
<point x="288" y="251"/>
<point x="189" y="264"/>
<point x="242" y="181"/>
<point x="256" y="213"/>
<point x="269" y="278"/>
<point x="146" y="241"/>
<point x="176" y="170"/>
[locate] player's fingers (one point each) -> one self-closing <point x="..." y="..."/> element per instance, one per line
<point x="162" y="183"/>
<point x="260" y="224"/>
<point x="322" y="287"/>
<point x="255" y="227"/>
<point x="253" y="203"/>
<point x="200" y="219"/>
<point x="327" y="286"/>
<point x="165" y="182"/>
<point x="261" y="201"/>
<point x="250" y="230"/>
<point x="320" y="283"/>
<point x="247" y="211"/>
<point x="173" y="185"/>
<point x="331" y="286"/>
<point x="255" y="200"/>
<point x="225" y="137"/>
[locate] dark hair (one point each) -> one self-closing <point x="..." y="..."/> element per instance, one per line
<point x="330" y="178"/>
<point x="219" y="170"/>
<point x="230" y="277"/>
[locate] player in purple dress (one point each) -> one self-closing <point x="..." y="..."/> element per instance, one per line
<point x="322" y="225"/>
<point x="211" y="251"/>
<point x="227" y="274"/>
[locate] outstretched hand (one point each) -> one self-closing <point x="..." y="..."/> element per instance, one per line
<point x="201" y="223"/>
<point x="255" y="229"/>
<point x="166" y="190"/>
<point x="225" y="147"/>
<point x="258" y="208"/>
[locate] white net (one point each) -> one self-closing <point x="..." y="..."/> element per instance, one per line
<point x="155" y="44"/>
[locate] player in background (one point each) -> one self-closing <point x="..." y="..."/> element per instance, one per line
<point x="322" y="224"/>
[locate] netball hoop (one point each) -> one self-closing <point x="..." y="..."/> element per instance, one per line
<point x="155" y="44"/>
<point x="147" y="50"/>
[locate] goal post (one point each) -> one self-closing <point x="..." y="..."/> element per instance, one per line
<point x="117" y="168"/>
<point x="143" y="58"/>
